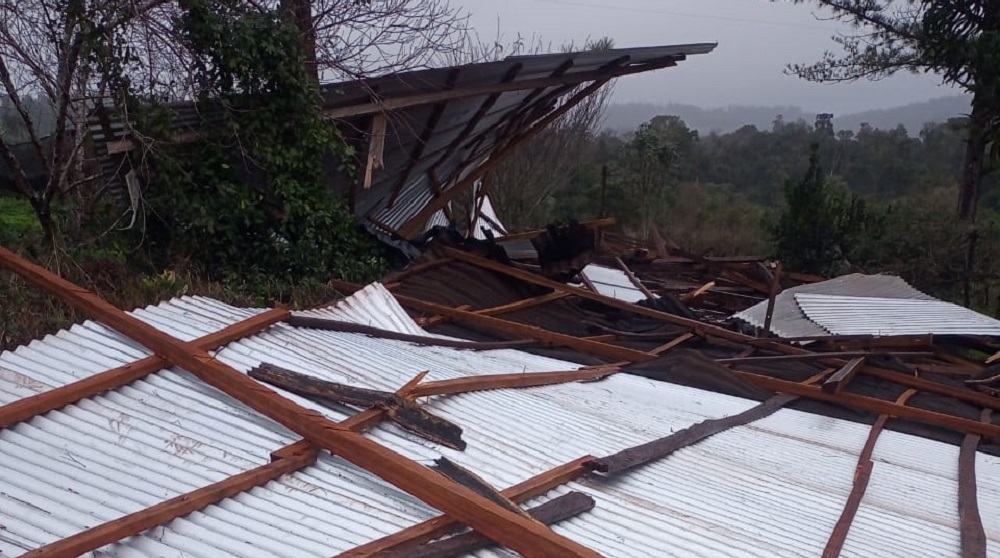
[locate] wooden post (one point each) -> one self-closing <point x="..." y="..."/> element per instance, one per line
<point x="775" y="287"/>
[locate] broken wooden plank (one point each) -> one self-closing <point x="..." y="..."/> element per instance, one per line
<point x="522" y="304"/>
<point x="311" y="386"/>
<point x="772" y="293"/>
<point x="592" y="224"/>
<point x="658" y="449"/>
<point x="862" y="475"/>
<point x="551" y="512"/>
<point x="509" y="529"/>
<point x="406" y="414"/>
<point x="688" y="297"/>
<point x="443" y="525"/>
<point x="57" y="398"/>
<point x="973" y="534"/>
<point x="508" y="381"/>
<point x="841" y="377"/>
<point x="635" y="280"/>
<point x="670" y="345"/>
<point x="426" y="340"/>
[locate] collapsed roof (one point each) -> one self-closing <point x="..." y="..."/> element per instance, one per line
<point x="632" y="431"/>
<point x="424" y="137"/>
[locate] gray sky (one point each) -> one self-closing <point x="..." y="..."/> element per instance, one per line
<point x="757" y="38"/>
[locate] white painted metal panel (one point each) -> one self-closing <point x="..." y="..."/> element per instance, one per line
<point x="848" y="315"/>
<point x="613" y="283"/>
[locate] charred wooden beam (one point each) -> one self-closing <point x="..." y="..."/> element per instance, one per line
<point x="973" y="535"/>
<point x="35" y="405"/>
<point x="508" y="381"/>
<point x="474" y="482"/>
<point x="431" y="529"/>
<point x="509" y="529"/>
<point x="658" y="449"/>
<point x="404" y="413"/>
<point x="551" y="512"/>
<point x="426" y="340"/>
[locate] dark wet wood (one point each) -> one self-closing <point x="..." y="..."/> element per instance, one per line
<point x="973" y="534"/>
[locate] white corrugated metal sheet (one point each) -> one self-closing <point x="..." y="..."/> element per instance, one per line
<point x="790" y="321"/>
<point x="613" y="283"/>
<point x="774" y="488"/>
<point x="849" y="315"/>
<point x="488" y="219"/>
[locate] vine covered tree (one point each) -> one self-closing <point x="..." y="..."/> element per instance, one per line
<point x="958" y="40"/>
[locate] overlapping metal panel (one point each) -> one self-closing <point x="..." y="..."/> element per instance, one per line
<point x="789" y="320"/>
<point x="772" y="488"/>
<point x="852" y="315"/>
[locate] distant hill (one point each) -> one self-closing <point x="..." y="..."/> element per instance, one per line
<point x="628" y="116"/>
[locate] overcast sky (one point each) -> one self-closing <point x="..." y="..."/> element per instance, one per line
<point x="757" y="38"/>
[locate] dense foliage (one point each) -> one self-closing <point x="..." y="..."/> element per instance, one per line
<point x="250" y="196"/>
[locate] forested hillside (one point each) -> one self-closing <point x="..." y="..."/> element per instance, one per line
<point x="886" y="197"/>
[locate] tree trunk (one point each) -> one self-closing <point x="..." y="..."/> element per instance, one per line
<point x="975" y="151"/>
<point x="299" y="12"/>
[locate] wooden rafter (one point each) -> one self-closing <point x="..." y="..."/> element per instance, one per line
<point x="871" y="404"/>
<point x="425" y="136"/>
<point x="862" y="475"/>
<point x="498" y="156"/>
<point x="974" y="541"/>
<point x="510" y="381"/>
<point x="506" y="528"/>
<point x="29" y="407"/>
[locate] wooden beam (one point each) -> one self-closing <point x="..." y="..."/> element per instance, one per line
<point x="862" y="475"/>
<point x="510" y="381"/>
<point x="426" y="340"/>
<point x="522" y="304"/>
<point x="412" y="226"/>
<point x="635" y="280"/>
<point x="772" y="293"/>
<point x="687" y="297"/>
<point x="818" y="356"/>
<point x="670" y="345"/>
<point x="509" y="529"/>
<point x="443" y="525"/>
<point x="974" y="540"/>
<point x="658" y="449"/>
<point x="528" y="277"/>
<point x="164" y="512"/>
<point x="841" y="377"/>
<point x="863" y="403"/>
<point x="551" y="512"/>
<point x="57" y="398"/>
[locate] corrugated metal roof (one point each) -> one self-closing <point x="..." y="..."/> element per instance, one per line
<point x="772" y="488"/>
<point x="488" y="219"/>
<point x="851" y="315"/>
<point x="613" y="283"/>
<point x="789" y="320"/>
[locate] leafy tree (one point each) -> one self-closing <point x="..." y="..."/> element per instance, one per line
<point x="250" y="196"/>
<point x="820" y="226"/>
<point x="956" y="39"/>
